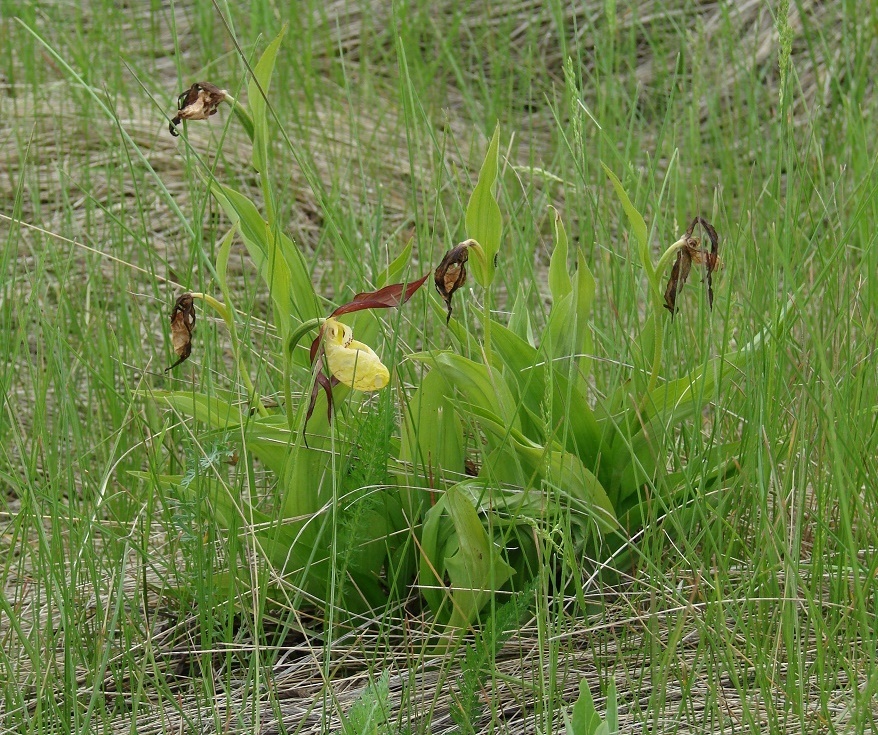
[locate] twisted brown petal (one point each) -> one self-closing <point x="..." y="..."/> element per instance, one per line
<point x="450" y="274"/>
<point x="679" y="274"/>
<point x="692" y="252"/>
<point x="182" y="324"/>
<point x="327" y="384"/>
<point x="198" y="102"/>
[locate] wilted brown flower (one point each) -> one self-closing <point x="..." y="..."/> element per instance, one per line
<point x="691" y="252"/>
<point x="450" y="274"/>
<point x="182" y="324"/>
<point x="198" y="102"/>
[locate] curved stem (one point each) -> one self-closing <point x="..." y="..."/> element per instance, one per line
<point x="486" y="319"/>
<point x="665" y="260"/>
<point x="221" y="309"/>
<point x="477" y="249"/>
<point x="242" y="114"/>
<point x="294" y="340"/>
<point x="288" y="393"/>
<point x="301" y="331"/>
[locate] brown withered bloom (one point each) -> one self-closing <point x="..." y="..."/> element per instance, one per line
<point x="450" y="274"/>
<point x="182" y="324"/>
<point x="691" y="252"/>
<point x="198" y="102"/>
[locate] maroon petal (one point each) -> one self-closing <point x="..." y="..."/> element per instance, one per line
<point x="315" y="345"/>
<point x="321" y="381"/>
<point x="395" y="294"/>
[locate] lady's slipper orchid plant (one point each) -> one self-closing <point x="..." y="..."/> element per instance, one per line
<point x="349" y="362"/>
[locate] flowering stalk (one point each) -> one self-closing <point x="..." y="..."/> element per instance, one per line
<point x="486" y="326"/>
<point x="685" y="251"/>
<point x="349" y="362"/>
<point x="221" y="309"/>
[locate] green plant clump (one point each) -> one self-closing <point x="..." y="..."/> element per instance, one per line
<point x="501" y="443"/>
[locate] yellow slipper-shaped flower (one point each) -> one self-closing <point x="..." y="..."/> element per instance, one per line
<point x="353" y="363"/>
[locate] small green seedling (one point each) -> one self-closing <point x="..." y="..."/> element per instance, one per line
<point x="584" y="718"/>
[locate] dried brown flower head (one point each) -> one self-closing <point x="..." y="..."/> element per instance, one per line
<point x="450" y="274"/>
<point x="691" y="252"/>
<point x="182" y="324"/>
<point x="198" y="102"/>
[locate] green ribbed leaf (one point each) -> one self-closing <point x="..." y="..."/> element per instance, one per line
<point x="256" y="89"/>
<point x="484" y="224"/>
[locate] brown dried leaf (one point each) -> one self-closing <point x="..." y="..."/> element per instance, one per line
<point x="198" y="102"/>
<point x="450" y="274"/>
<point x="182" y="324"/>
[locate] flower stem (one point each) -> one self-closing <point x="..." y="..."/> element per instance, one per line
<point x="665" y="260"/>
<point x="658" y="341"/>
<point x="487" y="328"/>
<point x="221" y="309"/>
<point x="292" y="343"/>
<point x="301" y="331"/>
<point x="242" y="114"/>
<point x="486" y="318"/>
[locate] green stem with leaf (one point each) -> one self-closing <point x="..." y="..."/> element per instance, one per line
<point x="243" y="115"/>
<point x="296" y="337"/>
<point x="476" y="248"/>
<point x="226" y="314"/>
